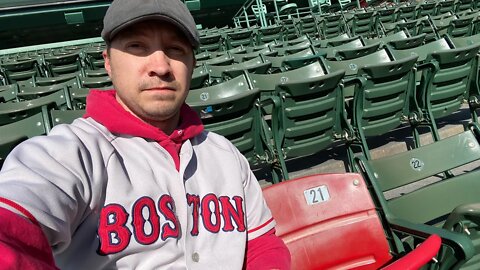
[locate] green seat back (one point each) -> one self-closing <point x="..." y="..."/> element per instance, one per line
<point x="34" y="92"/>
<point x="445" y="85"/>
<point x="20" y="70"/>
<point x="223" y="73"/>
<point x="240" y="37"/>
<point x="345" y="54"/>
<point x="267" y="83"/>
<point x="381" y="99"/>
<point x="65" y="116"/>
<point x="408" y="43"/>
<point x="351" y="66"/>
<point x="229" y="109"/>
<point x="269" y="33"/>
<point x="336" y="41"/>
<point x="15" y="132"/>
<point x="8" y="92"/>
<point x="362" y="23"/>
<point x="200" y="77"/>
<point x="307" y="117"/>
<point x="12" y="112"/>
<point x="65" y="63"/>
<point x="292" y="61"/>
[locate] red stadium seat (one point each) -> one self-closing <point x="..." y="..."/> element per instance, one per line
<point x="329" y="221"/>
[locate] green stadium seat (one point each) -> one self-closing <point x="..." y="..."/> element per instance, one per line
<point x="351" y="66"/>
<point x="407" y="13"/>
<point x="384" y="16"/>
<point x="463" y="5"/>
<point x="224" y="59"/>
<point x="291" y="49"/>
<point x="361" y="23"/>
<point x="437" y="197"/>
<point x="78" y="97"/>
<point x="96" y="82"/>
<point x="350" y="53"/>
<point x="268" y="34"/>
<point x="8" y="92"/>
<point x="290" y="31"/>
<point x="422" y="51"/>
<point x="408" y="42"/>
<point x="223" y="73"/>
<point x="289" y="62"/>
<point x="299" y="39"/>
<point x="398" y="36"/>
<point x="267" y="83"/>
<point x="230" y="109"/>
<point x="242" y="57"/>
<point x="427" y="9"/>
<point x="332" y="25"/>
<point x="445" y="6"/>
<point x="211" y="42"/>
<point x="462" y="26"/>
<point x="16" y="132"/>
<point x="65" y="116"/>
<point x="93" y="58"/>
<point x="410" y="27"/>
<point x="331" y="52"/>
<point x="200" y="77"/>
<point x="34" y="92"/>
<point x="239" y="37"/>
<point x="474" y="92"/>
<point x="307" y="25"/>
<point x="307" y="116"/>
<point x="380" y="100"/>
<point x="70" y="79"/>
<point x="61" y="63"/>
<point x="446" y="78"/>
<point x="99" y="72"/>
<point x="336" y="41"/>
<point x="15" y="111"/>
<point x="20" y="70"/>
<point x="425" y="25"/>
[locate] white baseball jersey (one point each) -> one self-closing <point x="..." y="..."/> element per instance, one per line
<point x="108" y="201"/>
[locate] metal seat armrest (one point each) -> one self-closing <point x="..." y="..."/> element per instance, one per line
<point x="461" y="244"/>
<point x="464" y="212"/>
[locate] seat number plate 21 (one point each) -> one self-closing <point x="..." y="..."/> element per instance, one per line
<point x="316" y="195"/>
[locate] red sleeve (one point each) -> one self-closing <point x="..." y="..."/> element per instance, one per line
<point x="267" y="252"/>
<point x="23" y="244"/>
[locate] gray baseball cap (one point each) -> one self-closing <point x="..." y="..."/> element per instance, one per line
<point x="123" y="13"/>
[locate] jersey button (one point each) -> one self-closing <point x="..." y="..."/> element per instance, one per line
<point x="195" y="257"/>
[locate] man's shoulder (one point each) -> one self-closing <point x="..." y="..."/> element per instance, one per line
<point x="211" y="141"/>
<point x="81" y="134"/>
<point x="82" y="128"/>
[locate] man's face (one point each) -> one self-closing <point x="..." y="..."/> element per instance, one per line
<point x="151" y="64"/>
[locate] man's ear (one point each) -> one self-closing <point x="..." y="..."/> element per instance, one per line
<point x="106" y="58"/>
<point x="194" y="63"/>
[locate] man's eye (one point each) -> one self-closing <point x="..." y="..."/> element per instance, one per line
<point x="136" y="47"/>
<point x="176" y="50"/>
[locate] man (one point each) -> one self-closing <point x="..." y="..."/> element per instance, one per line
<point x="137" y="183"/>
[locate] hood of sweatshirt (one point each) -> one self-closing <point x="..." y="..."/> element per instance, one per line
<point x="103" y="107"/>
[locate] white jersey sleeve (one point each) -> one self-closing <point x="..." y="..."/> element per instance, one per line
<point x="51" y="177"/>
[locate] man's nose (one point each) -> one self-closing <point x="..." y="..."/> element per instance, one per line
<point x="159" y="64"/>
